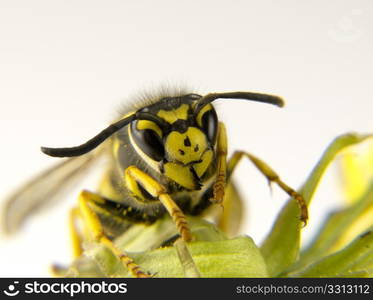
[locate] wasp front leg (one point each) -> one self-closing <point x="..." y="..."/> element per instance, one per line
<point x="221" y="174"/>
<point x="87" y="200"/>
<point x="135" y="177"/>
<point x="271" y="176"/>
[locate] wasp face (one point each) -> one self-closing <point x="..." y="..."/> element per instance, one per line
<point x="180" y="141"/>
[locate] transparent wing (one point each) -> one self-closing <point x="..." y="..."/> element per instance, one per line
<point x="44" y="189"/>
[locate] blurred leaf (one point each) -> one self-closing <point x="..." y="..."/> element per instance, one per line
<point x="233" y="212"/>
<point x="356" y="260"/>
<point x="339" y="229"/>
<point x="356" y="170"/>
<point x="281" y="248"/>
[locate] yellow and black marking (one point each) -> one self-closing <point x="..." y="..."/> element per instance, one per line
<point x="167" y="157"/>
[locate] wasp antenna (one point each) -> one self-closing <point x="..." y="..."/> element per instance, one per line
<point x="92" y="143"/>
<point x="258" y="97"/>
<point x="150" y="117"/>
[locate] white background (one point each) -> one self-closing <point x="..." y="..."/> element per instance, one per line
<point x="65" y="66"/>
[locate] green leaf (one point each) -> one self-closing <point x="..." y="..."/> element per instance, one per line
<point x="333" y="233"/>
<point x="281" y="248"/>
<point x="142" y="237"/>
<point x="213" y="254"/>
<point x="356" y="260"/>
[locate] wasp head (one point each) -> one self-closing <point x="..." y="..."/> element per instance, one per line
<point x="180" y="140"/>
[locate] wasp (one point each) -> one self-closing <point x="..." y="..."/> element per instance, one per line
<point x="166" y="156"/>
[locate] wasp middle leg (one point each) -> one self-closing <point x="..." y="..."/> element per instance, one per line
<point x="271" y="176"/>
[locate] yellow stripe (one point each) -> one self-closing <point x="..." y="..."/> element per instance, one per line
<point x="202" y="112"/>
<point x="146" y="124"/>
<point x="171" y="116"/>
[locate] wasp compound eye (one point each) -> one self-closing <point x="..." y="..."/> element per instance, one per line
<point x="207" y="120"/>
<point x="210" y="124"/>
<point x="148" y="137"/>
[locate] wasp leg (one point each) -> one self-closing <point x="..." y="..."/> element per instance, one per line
<point x="95" y="228"/>
<point x="135" y="177"/>
<point x="271" y="176"/>
<point x="229" y="220"/>
<point x="76" y="240"/>
<point x="221" y="174"/>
